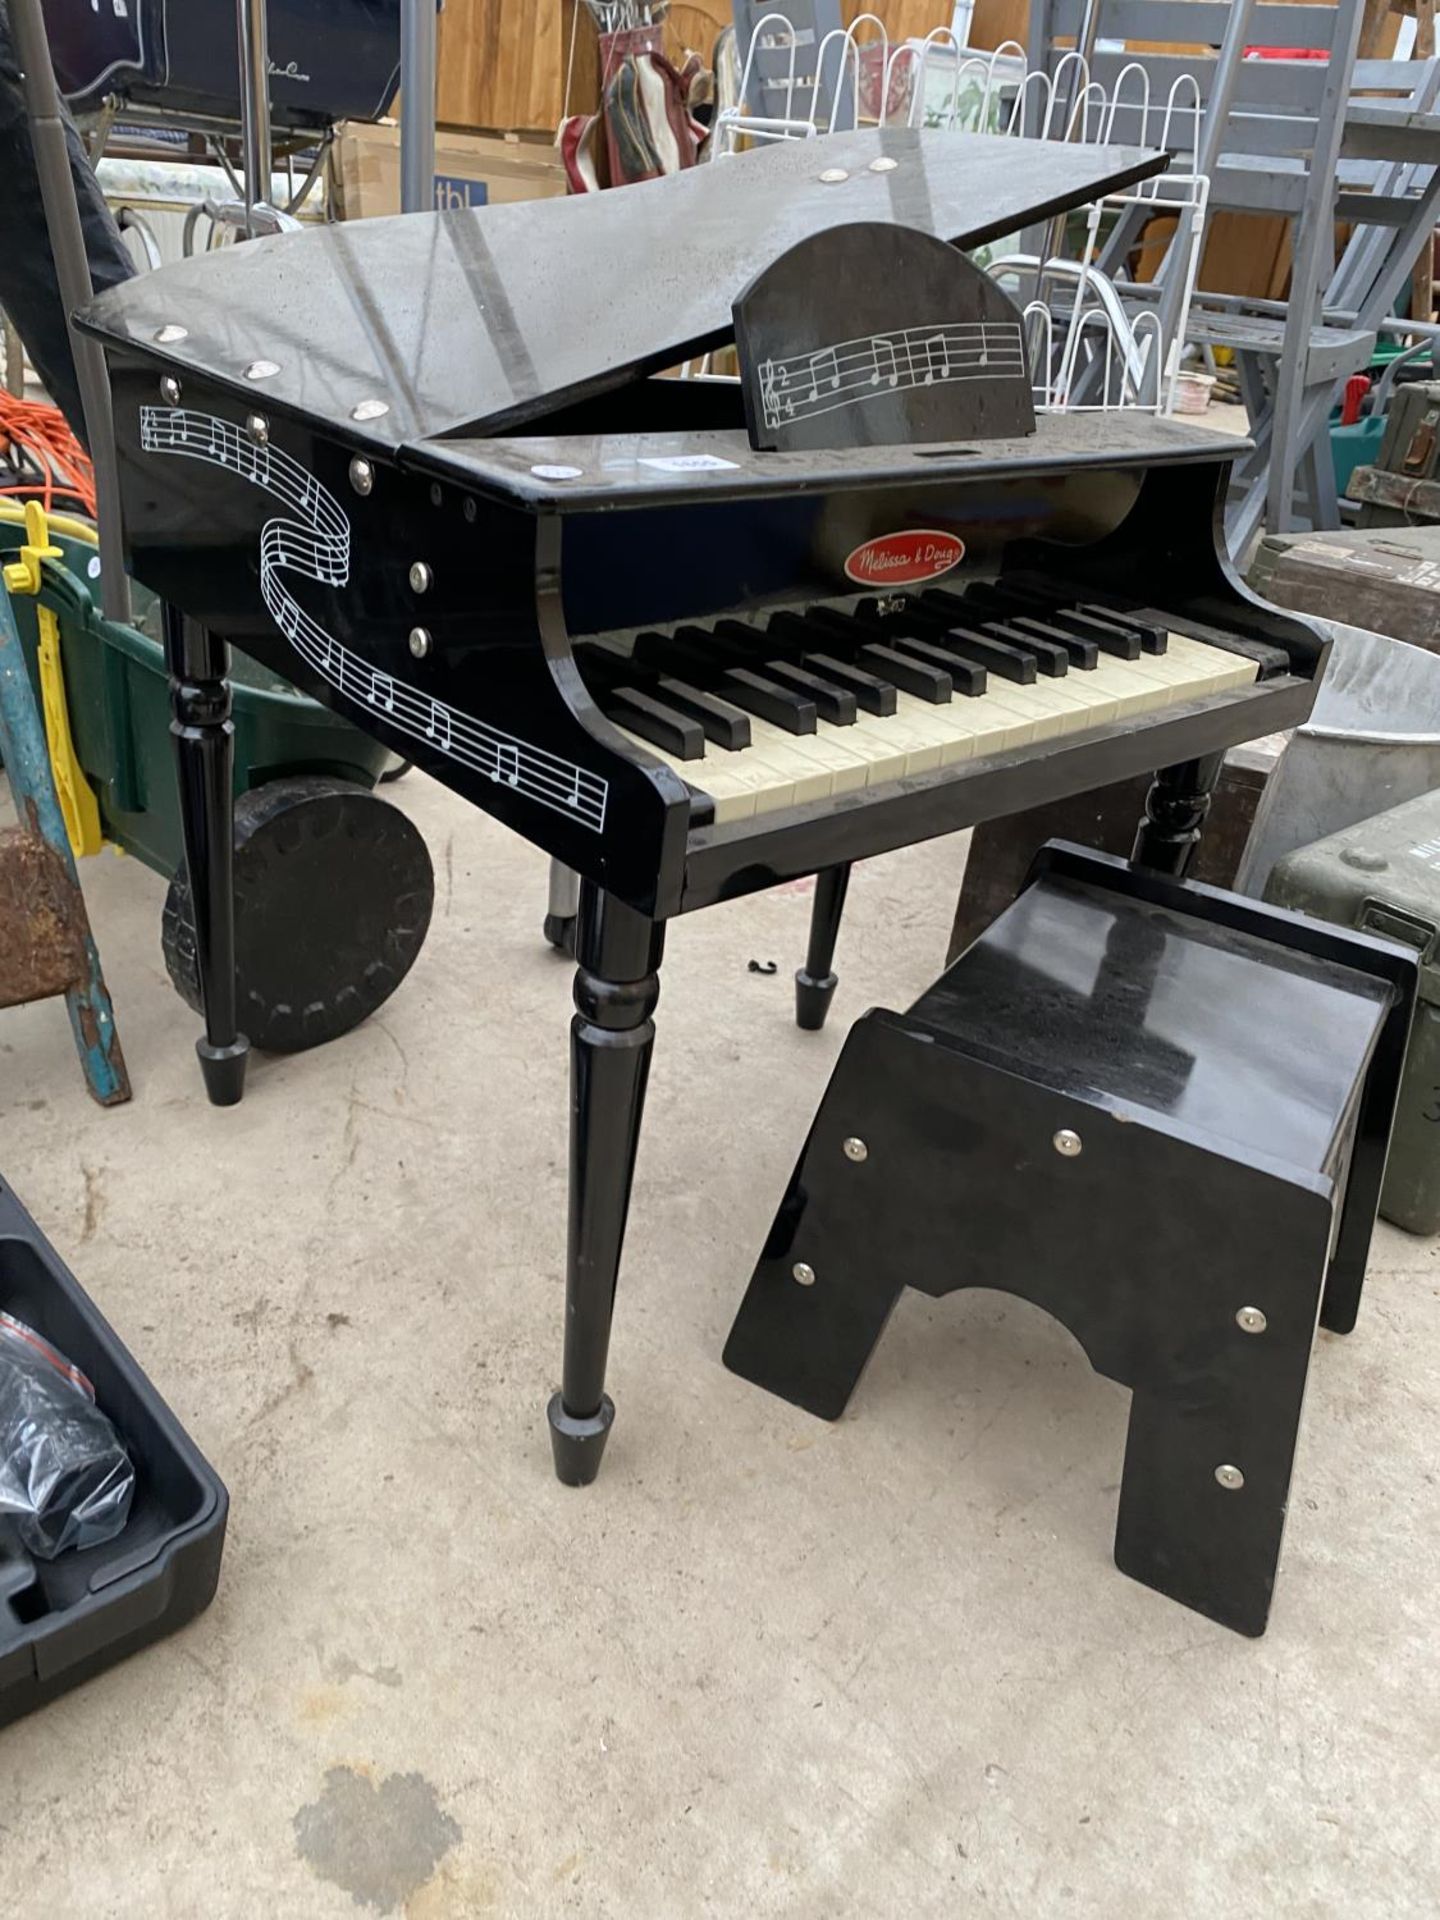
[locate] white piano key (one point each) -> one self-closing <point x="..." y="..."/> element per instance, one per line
<point x="780" y="770"/>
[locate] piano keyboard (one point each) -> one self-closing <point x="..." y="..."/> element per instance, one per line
<point x="763" y="714"/>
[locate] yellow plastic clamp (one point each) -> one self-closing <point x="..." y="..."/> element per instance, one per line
<point x="78" y="805"/>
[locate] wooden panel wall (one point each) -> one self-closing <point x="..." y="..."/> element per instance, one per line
<point x="502" y="64"/>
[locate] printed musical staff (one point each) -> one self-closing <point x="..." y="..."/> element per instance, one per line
<point x="319" y="550"/>
<point x="853" y="371"/>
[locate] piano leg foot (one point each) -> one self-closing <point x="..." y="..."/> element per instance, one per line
<point x="205" y="756"/>
<point x="223" y="1070"/>
<point x="578" y="1445"/>
<point x="1175" y="811"/>
<point x="611" y="1038"/>
<point x="815" y="982"/>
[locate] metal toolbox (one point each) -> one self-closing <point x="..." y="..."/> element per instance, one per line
<point x="1383" y="876"/>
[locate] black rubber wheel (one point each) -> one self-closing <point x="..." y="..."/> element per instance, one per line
<point x="333" y="895"/>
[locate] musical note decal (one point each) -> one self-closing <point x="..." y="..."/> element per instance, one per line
<point x="883" y="350"/>
<point x="853" y="371"/>
<point x="317" y="547"/>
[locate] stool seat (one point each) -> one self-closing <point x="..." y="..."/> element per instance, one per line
<point x="1216" y="1029"/>
<point x="1159" y="1111"/>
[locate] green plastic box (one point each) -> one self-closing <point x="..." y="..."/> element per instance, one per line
<point x="118" y="695"/>
<point x="1383" y="877"/>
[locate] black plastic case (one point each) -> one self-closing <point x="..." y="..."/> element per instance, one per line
<point x="64" y="1621"/>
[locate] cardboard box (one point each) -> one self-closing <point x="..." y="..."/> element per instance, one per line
<point x="471" y="170"/>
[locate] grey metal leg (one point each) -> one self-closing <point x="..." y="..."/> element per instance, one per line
<point x="563" y="907"/>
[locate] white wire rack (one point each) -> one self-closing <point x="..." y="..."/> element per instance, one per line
<point x="1099" y="341"/>
<point x="805" y="107"/>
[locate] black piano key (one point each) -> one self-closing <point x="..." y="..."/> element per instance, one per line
<point x="928" y="622"/>
<point x="1153" y="639"/>
<point x="1048" y="657"/>
<point x="996" y="656"/>
<point x="966" y="676"/>
<point x="868" y="640"/>
<point x="686" y="654"/>
<point x="662" y="726"/>
<point x="1123" y="643"/>
<point x="797" y="629"/>
<point x="768" y="700"/>
<point x="872" y="695"/>
<point x="727" y="643"/>
<point x="833" y="703"/>
<point x="985" y="601"/>
<point x="723" y="725"/>
<point x="1084" y="654"/>
<point x="834" y="630"/>
<point x="917" y="677"/>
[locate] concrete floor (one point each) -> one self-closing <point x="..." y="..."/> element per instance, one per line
<point x="765" y="1666"/>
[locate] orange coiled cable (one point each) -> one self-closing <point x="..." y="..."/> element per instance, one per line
<point x="40" y="458"/>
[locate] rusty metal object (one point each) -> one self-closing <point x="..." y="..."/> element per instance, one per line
<point x="1396" y="492"/>
<point x="42" y="922"/>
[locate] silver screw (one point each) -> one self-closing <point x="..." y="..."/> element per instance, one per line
<point x="370" y="410"/>
<point x="420" y="577"/>
<point x="884" y="164"/>
<point x="1068" y="1142"/>
<point x="856" y="1149"/>
<point x="471" y="510"/>
<point x="170" y="390"/>
<point x="832" y="176"/>
<point x="437" y="493"/>
<point x="261" y="370"/>
<point x="258" y="428"/>
<point x="171" y="335"/>
<point x="1231" y="1478"/>
<point x="1251" y="1320"/>
<point x="419" y="642"/>
<point x="362" y="476"/>
<point x="804" y="1274"/>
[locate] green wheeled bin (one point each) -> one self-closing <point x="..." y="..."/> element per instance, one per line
<point x="1383" y="877"/>
<point x="333" y="886"/>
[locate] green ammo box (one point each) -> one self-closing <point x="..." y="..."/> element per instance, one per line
<point x="1383" y="877"/>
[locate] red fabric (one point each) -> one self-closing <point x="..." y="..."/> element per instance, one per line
<point x="644" y="128"/>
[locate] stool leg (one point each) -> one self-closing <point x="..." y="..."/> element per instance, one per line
<point x="815" y="982"/>
<point x="205" y="757"/>
<point x="830" y="1272"/>
<point x="1209" y="1452"/>
<point x="1175" y="810"/>
<point x="1340" y="1304"/>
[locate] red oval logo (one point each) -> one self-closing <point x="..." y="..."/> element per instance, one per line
<point x="900" y="559"/>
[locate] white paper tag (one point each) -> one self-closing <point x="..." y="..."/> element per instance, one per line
<point x="690" y="463"/>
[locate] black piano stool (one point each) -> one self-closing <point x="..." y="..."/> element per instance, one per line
<point x="1159" y="1111"/>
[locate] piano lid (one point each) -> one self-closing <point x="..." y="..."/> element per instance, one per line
<point x="483" y="320"/>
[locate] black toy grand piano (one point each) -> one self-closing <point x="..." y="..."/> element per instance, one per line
<point x="691" y="637"/>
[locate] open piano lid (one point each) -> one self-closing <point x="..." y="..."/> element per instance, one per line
<point x="482" y="321"/>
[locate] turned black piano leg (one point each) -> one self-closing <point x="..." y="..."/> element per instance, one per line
<point x="617" y="953"/>
<point x="815" y="982"/>
<point x="204" y="738"/>
<point x="1175" y="811"/>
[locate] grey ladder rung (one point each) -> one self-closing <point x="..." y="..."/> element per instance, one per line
<point x="1266" y="186"/>
<point x="1375" y="209"/>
